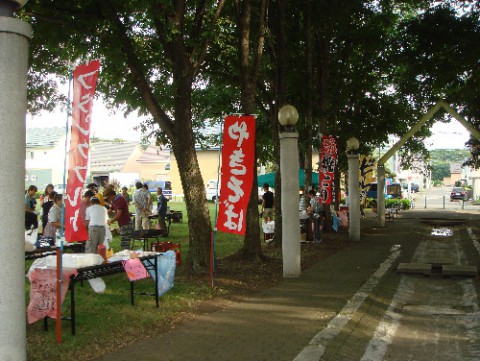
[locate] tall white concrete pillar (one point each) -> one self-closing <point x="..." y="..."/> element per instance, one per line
<point x="290" y="198"/>
<point x="14" y="41"/>
<point x="353" y="197"/>
<point x="381" y="195"/>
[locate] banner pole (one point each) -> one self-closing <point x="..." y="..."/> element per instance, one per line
<point x="62" y="222"/>
<point x="217" y="199"/>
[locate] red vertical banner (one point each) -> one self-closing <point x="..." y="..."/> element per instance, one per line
<point x="238" y="162"/>
<point x="84" y="84"/>
<point x="328" y="163"/>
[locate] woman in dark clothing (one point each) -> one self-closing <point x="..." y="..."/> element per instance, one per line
<point x="31" y="215"/>
<point x="46" y="205"/>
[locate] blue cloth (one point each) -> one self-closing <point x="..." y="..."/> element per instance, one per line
<point x="336" y="222"/>
<point x="166" y="271"/>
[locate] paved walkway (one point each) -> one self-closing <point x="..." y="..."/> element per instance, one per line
<point x="279" y="323"/>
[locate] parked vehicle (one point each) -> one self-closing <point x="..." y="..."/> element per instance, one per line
<point x="458" y="193"/>
<point x="211" y="190"/>
<point x="59" y="188"/>
<point x="165" y="185"/>
<point x="393" y="190"/>
<point x="414" y="188"/>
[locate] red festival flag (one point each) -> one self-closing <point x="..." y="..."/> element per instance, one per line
<point x="238" y="161"/>
<point x="328" y="163"/>
<point x="84" y="84"/>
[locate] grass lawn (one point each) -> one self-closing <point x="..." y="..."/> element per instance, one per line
<point x="108" y="319"/>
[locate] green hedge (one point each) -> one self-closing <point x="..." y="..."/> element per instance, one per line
<point x="389" y="203"/>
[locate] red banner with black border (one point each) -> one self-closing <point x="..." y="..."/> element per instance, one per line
<point x="328" y="164"/>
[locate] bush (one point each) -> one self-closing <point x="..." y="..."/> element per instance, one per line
<point x="392" y="203"/>
<point x="389" y="203"/>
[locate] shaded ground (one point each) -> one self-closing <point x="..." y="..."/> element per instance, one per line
<point x="268" y="318"/>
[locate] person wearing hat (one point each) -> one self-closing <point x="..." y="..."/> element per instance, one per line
<point x="94" y="188"/>
<point x="122" y="216"/>
<point x="95" y="219"/>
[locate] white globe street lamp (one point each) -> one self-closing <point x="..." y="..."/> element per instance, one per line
<point x="353" y="144"/>
<point x="288" y="115"/>
<point x="7" y="7"/>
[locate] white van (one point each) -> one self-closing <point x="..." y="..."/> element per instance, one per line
<point x="165" y="185"/>
<point x="211" y="190"/>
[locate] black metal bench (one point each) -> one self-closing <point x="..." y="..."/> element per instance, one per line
<point x="48" y="251"/>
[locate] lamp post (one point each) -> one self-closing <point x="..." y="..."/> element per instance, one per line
<point x="14" y="39"/>
<point x="353" y="193"/>
<point x="288" y="117"/>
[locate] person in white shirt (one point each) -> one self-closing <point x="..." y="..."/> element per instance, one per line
<point x="96" y="217"/>
<point x="141" y="201"/>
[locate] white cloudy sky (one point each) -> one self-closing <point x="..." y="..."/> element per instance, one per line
<point x="450" y="135"/>
<point x="104" y="124"/>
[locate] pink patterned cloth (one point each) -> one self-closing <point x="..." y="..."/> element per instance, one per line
<point x="43" y="292"/>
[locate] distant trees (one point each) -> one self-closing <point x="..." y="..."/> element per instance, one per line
<point x="441" y="160"/>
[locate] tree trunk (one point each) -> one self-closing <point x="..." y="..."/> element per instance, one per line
<point x="310" y="97"/>
<point x="324" y="101"/>
<point x="252" y="246"/>
<point x="183" y="145"/>
<point x="199" y="226"/>
<point x="250" y="68"/>
<point x="279" y="25"/>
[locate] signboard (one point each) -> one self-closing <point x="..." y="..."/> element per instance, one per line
<point x="366" y="174"/>
<point x="238" y="162"/>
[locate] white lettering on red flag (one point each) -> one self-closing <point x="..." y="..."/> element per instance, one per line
<point x="238" y="162"/>
<point x="328" y="163"/>
<point x="84" y="84"/>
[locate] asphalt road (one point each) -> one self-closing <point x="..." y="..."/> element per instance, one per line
<point x="439" y="198"/>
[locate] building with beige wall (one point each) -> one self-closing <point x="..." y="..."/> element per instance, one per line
<point x="128" y="157"/>
<point x="208" y="161"/>
<point x="154" y="164"/>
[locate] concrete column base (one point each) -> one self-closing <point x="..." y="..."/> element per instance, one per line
<point x="289" y="204"/>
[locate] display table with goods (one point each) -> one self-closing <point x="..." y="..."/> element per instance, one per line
<point x="77" y="268"/>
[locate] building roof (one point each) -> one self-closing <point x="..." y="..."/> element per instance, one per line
<point x="44" y="137"/>
<point x="154" y="154"/>
<point x="110" y="156"/>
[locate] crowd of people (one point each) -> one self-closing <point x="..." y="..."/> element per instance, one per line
<point x="98" y="210"/>
<point x="314" y="211"/>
